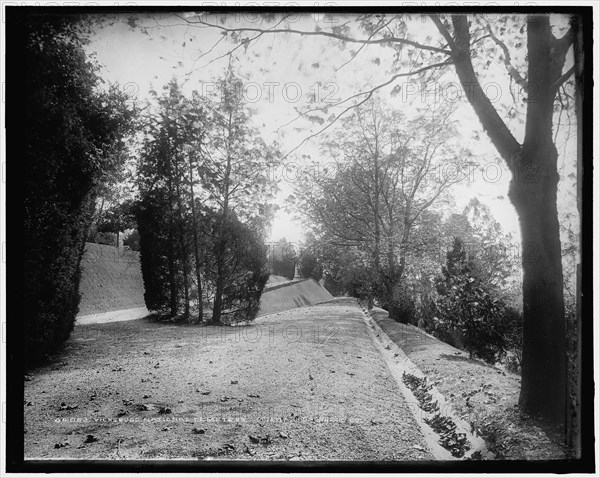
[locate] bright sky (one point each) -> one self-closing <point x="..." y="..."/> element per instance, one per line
<point x="282" y="74"/>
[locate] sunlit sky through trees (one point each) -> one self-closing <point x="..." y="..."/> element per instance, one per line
<point x="284" y="74"/>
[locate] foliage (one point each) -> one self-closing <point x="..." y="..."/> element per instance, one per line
<point x="402" y="307"/>
<point x="468" y="311"/>
<point x="154" y="246"/>
<point x="380" y="192"/>
<point x="133" y="241"/>
<point x="283" y="259"/>
<point x="308" y="262"/>
<point x="117" y="218"/>
<point x="496" y="251"/>
<point x="245" y="270"/>
<point x="202" y="205"/>
<point x="74" y="133"/>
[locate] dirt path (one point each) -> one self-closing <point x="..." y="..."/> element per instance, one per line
<point x="112" y="316"/>
<point x="306" y="384"/>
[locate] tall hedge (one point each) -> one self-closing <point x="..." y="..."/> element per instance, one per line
<point x="73" y="134"/>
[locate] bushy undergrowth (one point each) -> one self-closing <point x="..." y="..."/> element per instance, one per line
<point x="467" y="314"/>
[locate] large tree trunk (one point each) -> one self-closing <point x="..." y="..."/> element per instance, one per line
<point x="533" y="192"/>
<point x="543" y="383"/>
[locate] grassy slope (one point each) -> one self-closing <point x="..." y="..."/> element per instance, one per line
<point x="111" y="279"/>
<point x="485" y="396"/>
<point x="290" y="295"/>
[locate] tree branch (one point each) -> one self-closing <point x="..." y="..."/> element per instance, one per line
<point x="379" y="41"/>
<point x="443" y="30"/>
<point x="512" y="71"/>
<point x="499" y="134"/>
<point x="562" y="45"/>
<point x="558" y="83"/>
<point x="368" y="94"/>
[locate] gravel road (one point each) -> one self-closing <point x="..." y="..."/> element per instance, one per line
<point x="305" y="384"/>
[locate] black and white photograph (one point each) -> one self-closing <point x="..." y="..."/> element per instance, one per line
<point x="317" y="236"/>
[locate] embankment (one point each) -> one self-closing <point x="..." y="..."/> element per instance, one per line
<point x="111" y="279"/>
<point x="292" y="295"/>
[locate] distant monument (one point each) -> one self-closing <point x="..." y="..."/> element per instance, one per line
<point x="297" y="274"/>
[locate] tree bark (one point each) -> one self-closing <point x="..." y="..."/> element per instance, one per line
<point x="574" y="395"/>
<point x="533" y="191"/>
<point x="543" y="382"/>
